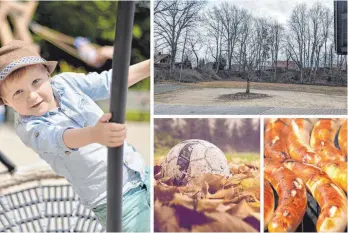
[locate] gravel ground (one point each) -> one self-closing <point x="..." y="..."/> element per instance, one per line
<point x="165" y="87"/>
<point x="166" y="109"/>
<point x="209" y="97"/>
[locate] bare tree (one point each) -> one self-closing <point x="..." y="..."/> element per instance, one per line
<point x="213" y="24"/>
<point x="160" y="7"/>
<point x="309" y="34"/>
<point x="182" y="55"/>
<point x="262" y="43"/>
<point x="231" y="19"/>
<point x="315" y="14"/>
<point x="276" y="34"/>
<point x="250" y="50"/>
<point x="243" y="40"/>
<point x="327" y="21"/>
<point x="195" y="43"/>
<point x="296" y="38"/>
<point x="171" y="22"/>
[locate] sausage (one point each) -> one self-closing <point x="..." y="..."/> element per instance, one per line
<point x="323" y="140"/>
<point x="342" y="138"/>
<point x="331" y="199"/>
<point x="269" y="203"/>
<point x="292" y="197"/>
<point x="298" y="142"/>
<point x="337" y="171"/>
<point x="275" y="139"/>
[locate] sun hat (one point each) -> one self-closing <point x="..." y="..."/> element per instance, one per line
<point x="17" y="54"/>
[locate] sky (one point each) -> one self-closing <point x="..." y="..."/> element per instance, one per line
<point x="273" y="9"/>
<point x="276" y="9"/>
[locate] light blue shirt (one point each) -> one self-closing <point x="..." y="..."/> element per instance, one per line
<point x="86" y="167"/>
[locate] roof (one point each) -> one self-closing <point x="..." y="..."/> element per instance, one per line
<point x="161" y="57"/>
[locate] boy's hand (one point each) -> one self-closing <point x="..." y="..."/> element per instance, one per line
<point x="108" y="133"/>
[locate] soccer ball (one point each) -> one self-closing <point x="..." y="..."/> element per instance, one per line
<point x="191" y="158"/>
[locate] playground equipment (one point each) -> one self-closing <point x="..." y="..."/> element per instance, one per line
<point x="66" y="43"/>
<point x="119" y="87"/>
<point x="39" y="200"/>
<point x="21" y="14"/>
<point x="35" y="199"/>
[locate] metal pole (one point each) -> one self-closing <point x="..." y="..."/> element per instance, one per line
<point x="119" y="87"/>
<point x="7" y="163"/>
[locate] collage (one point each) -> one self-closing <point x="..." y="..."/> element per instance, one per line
<point x="173" y="116"/>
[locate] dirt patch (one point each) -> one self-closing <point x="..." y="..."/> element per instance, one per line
<point x="319" y="89"/>
<point x="243" y="96"/>
<point x="279" y="98"/>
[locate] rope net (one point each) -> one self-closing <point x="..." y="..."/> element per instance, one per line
<point x="37" y="200"/>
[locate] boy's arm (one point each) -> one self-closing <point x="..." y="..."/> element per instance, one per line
<point x="104" y="132"/>
<point x="98" y="86"/>
<point x="43" y="137"/>
<point x="138" y="72"/>
<point x="47" y="138"/>
<point x="76" y="138"/>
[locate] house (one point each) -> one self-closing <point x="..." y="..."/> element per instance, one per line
<point x="281" y="66"/>
<point x="208" y="65"/>
<point x="212" y="65"/>
<point x="291" y="65"/>
<point x="185" y="65"/>
<point x="162" y="58"/>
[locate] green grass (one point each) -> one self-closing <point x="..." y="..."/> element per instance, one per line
<point x="133" y="115"/>
<point x="161" y="151"/>
<point x="236" y="157"/>
<point x="137" y="116"/>
<point x="245" y="157"/>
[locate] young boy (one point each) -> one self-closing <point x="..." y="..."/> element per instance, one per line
<point x="59" y="119"/>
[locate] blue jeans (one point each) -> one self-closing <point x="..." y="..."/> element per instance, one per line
<point x="136" y="209"/>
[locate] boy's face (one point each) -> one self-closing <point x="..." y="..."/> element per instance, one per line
<point x="31" y="94"/>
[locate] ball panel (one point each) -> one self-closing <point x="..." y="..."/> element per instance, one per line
<point x="217" y="160"/>
<point x="192" y="158"/>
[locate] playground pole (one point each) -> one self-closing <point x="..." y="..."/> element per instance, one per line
<point x="119" y="88"/>
<point x="7" y="163"/>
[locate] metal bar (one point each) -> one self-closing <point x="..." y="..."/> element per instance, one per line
<point x="119" y="88"/>
<point x="7" y="163"/>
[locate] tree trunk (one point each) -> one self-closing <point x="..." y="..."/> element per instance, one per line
<point x="275" y="74"/>
<point x="182" y="57"/>
<point x="248" y="85"/>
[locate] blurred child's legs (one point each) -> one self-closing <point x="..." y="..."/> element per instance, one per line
<point x="136" y="209"/>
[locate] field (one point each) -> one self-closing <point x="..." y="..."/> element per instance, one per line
<point x="281" y="95"/>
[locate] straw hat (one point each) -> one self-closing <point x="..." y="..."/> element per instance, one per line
<point x="18" y="54"/>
